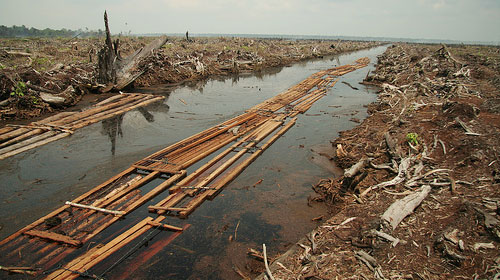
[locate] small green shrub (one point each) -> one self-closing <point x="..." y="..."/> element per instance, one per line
<point x="19" y="90"/>
<point x="412" y="138"/>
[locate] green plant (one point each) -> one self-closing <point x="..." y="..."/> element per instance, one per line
<point x="19" y="90"/>
<point x="412" y="138"/>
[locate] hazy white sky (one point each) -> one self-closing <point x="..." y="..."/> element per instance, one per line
<point x="469" y="20"/>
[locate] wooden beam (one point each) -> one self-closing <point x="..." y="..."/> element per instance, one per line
<point x="54" y="237"/>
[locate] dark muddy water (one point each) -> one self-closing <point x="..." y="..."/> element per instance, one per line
<point x="274" y="212"/>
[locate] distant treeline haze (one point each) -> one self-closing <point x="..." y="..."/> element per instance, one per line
<point x="23" y="31"/>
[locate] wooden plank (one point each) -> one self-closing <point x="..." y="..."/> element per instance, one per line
<point x="54" y="237"/>
<point x="173" y="200"/>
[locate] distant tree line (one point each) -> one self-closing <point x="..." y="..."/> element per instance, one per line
<point x="23" y="31"/>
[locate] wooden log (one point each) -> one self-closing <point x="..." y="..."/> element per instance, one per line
<point x="13" y="133"/>
<point x="145" y="256"/>
<point x="18" y="269"/>
<point x="29" y="144"/>
<point x="107" y="211"/>
<point x="150" y="195"/>
<point x="54" y="237"/>
<point x="63" y="208"/>
<point x="269" y="127"/>
<point x="356" y="168"/>
<point x="164" y="226"/>
<point x="170" y="201"/>
<point x="94" y="110"/>
<point x="115" y="112"/>
<point x="113" y="98"/>
<point x="238" y="169"/>
<point x="87" y="260"/>
<point x="210" y="163"/>
<point x="137" y="184"/>
<point x="22" y="137"/>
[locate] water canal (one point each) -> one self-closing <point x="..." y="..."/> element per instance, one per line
<point x="267" y="203"/>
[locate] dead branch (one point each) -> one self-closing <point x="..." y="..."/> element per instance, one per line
<point x="404" y="207"/>
<point x="356" y="168"/>
<point x="268" y="271"/>
<point x="467" y="129"/>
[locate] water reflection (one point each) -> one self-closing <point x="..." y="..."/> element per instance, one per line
<point x="113" y="128"/>
<point x="197" y="85"/>
<point x="146" y="114"/>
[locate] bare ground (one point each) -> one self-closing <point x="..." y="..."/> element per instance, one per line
<point x="445" y="102"/>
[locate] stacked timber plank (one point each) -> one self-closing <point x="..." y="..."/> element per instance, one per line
<point x="15" y="139"/>
<point x="67" y="243"/>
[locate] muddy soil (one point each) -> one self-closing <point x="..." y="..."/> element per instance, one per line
<point x="436" y="125"/>
<point x="28" y="66"/>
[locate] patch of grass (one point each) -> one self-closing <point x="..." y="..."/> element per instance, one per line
<point x="245" y="48"/>
<point x="41" y="61"/>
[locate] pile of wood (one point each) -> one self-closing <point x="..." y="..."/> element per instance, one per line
<point x="70" y="229"/>
<point x="15" y="139"/>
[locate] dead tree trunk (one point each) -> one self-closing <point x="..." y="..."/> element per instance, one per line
<point x="116" y="72"/>
<point x="107" y="58"/>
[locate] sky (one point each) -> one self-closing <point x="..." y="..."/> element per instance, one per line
<point x="462" y="20"/>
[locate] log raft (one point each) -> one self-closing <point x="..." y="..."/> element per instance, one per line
<point x="15" y="139"/>
<point x="75" y="228"/>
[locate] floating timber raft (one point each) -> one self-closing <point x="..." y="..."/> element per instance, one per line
<point x="15" y="139"/>
<point x="67" y="243"/>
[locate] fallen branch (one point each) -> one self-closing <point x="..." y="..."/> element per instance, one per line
<point x="355" y="169"/>
<point x="468" y="130"/>
<point x="240" y="273"/>
<point x="404" y="207"/>
<point x="402" y="170"/>
<point x="349" y="85"/>
<point x="395" y="241"/>
<point x="256" y="254"/>
<point x="370" y="262"/>
<point x="268" y="271"/>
